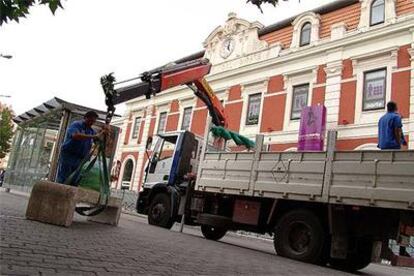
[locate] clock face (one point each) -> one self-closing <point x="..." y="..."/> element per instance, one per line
<point x="227" y="47"/>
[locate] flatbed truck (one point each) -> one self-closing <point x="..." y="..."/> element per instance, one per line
<point x="330" y="207"/>
<point x="333" y="207"/>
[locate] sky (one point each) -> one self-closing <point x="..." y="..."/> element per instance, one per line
<point x="65" y="55"/>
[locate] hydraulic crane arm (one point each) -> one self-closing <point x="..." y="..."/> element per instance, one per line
<point x="190" y="73"/>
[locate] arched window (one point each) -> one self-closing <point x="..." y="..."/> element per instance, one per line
<point x="305" y="34"/>
<point x="127" y="175"/>
<point x="377" y="12"/>
<point x="369" y="146"/>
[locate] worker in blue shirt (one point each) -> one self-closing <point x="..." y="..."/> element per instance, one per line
<point x="390" y="135"/>
<point x="76" y="146"/>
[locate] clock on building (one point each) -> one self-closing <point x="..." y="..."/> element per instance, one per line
<point x="227" y="47"/>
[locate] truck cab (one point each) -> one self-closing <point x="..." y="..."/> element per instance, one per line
<point x="171" y="162"/>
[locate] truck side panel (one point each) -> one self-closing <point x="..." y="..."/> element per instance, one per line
<point x="290" y="175"/>
<point x="275" y="175"/>
<point x="228" y="172"/>
<point x="373" y="178"/>
<point x="367" y="178"/>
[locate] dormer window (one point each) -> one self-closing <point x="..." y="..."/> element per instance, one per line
<point x="305" y="34"/>
<point x="377" y="15"/>
<point x="375" y="12"/>
<point x="305" y="30"/>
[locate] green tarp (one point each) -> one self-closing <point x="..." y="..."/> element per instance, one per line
<point x="92" y="179"/>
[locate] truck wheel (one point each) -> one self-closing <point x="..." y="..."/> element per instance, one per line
<point x="299" y="235"/>
<point x="213" y="233"/>
<point x="358" y="258"/>
<point x="159" y="212"/>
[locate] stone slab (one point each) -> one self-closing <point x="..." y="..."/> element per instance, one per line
<point x="52" y="203"/>
<point x="55" y="203"/>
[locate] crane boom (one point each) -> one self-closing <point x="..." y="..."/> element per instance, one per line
<point x="191" y="73"/>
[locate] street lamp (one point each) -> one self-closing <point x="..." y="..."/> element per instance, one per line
<point x="6" y="56"/>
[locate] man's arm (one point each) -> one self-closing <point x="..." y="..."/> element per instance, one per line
<point x="398" y="135"/>
<point x="76" y="133"/>
<point x="82" y="136"/>
<point x="398" y="129"/>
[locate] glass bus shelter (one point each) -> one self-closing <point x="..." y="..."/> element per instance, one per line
<point x="40" y="133"/>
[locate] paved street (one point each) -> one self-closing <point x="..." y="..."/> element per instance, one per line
<point x="32" y="248"/>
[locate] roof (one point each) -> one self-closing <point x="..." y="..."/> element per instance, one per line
<point x="47" y="109"/>
<point x="319" y="10"/>
<point x="335" y="5"/>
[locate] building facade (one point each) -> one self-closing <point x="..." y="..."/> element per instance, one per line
<point x="351" y="56"/>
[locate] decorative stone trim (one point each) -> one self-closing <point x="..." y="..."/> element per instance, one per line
<point x="333" y="68"/>
<point x="411" y="52"/>
<point x="338" y="30"/>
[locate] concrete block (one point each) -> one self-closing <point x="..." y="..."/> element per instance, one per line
<point x="55" y="203"/>
<point x="111" y="214"/>
<point x="52" y="203"/>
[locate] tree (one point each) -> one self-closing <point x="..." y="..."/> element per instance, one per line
<point x="13" y="10"/>
<point x="6" y="130"/>
<point x="259" y="3"/>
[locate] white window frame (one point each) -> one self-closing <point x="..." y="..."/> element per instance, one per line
<point x="365" y="18"/>
<point x="121" y="173"/>
<point x="307" y="17"/>
<point x="133" y="127"/>
<point x="365" y="84"/>
<point x="247" y="90"/>
<point x="293" y="94"/>
<point x="370" y="14"/>
<point x="182" y="113"/>
<point x="290" y="82"/>
<point x="248" y="106"/>
<point x="388" y="61"/>
<point x="369" y="146"/>
<point x="159" y="120"/>
<point x="301" y="34"/>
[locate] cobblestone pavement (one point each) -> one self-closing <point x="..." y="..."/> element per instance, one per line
<point x="33" y="248"/>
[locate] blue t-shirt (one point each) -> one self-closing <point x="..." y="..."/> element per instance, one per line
<point x="76" y="150"/>
<point x="386" y="127"/>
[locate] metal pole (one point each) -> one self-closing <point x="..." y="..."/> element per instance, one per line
<point x="56" y="152"/>
<point x="330" y="155"/>
<point x="183" y="216"/>
<point x="188" y="192"/>
<point x="255" y="163"/>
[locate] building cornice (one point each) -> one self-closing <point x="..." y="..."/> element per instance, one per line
<point x="349" y="39"/>
<point x="325" y="45"/>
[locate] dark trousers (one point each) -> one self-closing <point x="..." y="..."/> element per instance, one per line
<point x="65" y="169"/>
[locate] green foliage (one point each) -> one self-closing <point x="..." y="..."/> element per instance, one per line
<point x="6" y="131"/>
<point x="259" y="3"/>
<point x="14" y="10"/>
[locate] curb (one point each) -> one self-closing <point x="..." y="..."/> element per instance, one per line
<point x="14" y="191"/>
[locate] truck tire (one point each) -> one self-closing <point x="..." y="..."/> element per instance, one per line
<point x="213" y="233"/>
<point x="299" y="235"/>
<point x="358" y="258"/>
<point x="159" y="212"/>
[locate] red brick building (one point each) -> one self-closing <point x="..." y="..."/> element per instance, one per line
<point x="351" y="56"/>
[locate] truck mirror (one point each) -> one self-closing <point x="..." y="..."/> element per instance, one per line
<point x="149" y="142"/>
